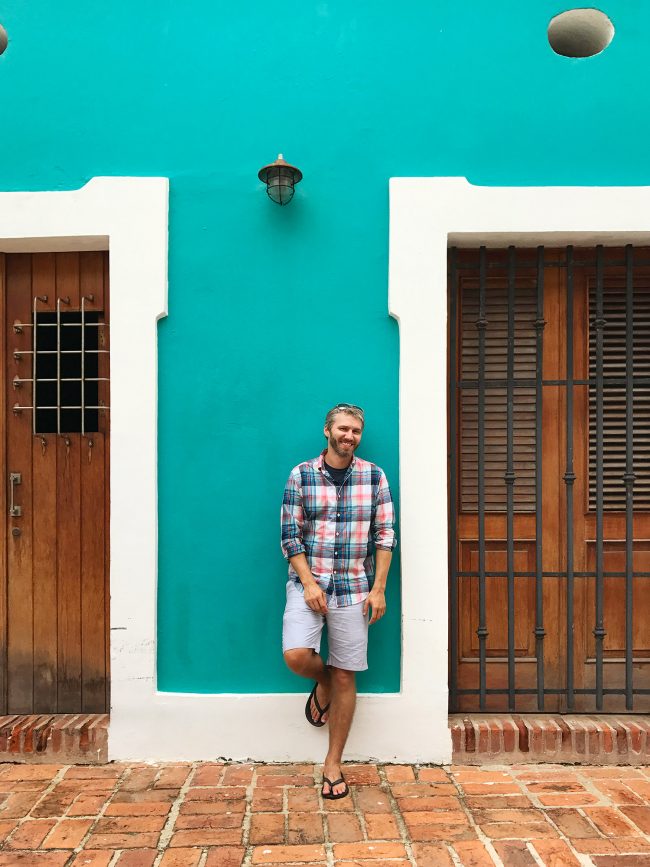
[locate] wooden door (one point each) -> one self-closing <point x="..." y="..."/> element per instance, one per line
<point x="54" y="623"/>
<point x="511" y="644"/>
<point x="621" y="616"/>
<point x="524" y="602"/>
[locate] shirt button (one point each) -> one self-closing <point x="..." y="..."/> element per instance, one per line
<point x="338" y="514"/>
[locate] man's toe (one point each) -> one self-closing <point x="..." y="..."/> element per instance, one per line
<point x="314" y="710"/>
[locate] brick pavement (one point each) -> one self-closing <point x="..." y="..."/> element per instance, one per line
<point x="235" y="815"/>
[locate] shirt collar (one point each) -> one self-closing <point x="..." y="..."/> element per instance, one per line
<point x="320" y="461"/>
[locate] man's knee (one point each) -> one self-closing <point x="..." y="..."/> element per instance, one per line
<point x="343" y="678"/>
<point x="298" y="658"/>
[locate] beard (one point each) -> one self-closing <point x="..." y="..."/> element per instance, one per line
<point x="340" y="450"/>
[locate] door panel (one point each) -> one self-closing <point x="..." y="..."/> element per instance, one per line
<point x="614" y="588"/>
<point x="525" y="606"/>
<point x="44" y="522"/>
<point x="20" y="447"/>
<point x="55" y="628"/>
<point x="497" y="600"/>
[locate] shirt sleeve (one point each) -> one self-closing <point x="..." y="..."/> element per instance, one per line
<point x="292" y="519"/>
<point x="383" y="532"/>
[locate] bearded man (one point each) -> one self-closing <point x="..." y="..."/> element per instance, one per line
<point x="337" y="534"/>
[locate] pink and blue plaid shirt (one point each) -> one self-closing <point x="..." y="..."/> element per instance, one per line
<point x="338" y="528"/>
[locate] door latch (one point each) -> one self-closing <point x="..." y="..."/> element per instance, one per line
<point x="14" y="479"/>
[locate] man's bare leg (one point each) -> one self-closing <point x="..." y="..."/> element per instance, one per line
<point x="307" y="663"/>
<point x="343" y="702"/>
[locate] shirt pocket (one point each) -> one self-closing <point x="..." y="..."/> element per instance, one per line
<point x="315" y="505"/>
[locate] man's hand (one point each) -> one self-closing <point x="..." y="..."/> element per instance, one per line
<point x="377" y="601"/>
<point x="315" y="598"/>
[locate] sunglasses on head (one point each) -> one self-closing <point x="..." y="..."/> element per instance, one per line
<point x="348" y="406"/>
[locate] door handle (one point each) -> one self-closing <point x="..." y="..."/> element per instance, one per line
<point x="14" y="479"/>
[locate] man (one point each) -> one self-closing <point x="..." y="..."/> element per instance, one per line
<point x="336" y="512"/>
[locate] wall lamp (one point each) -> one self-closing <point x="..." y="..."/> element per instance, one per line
<point x="280" y="179"/>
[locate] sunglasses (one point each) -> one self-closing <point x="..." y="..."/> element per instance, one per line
<point x="349" y="406"/>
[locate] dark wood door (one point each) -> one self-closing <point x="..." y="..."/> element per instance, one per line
<point x="506" y="635"/>
<point x="623" y="611"/>
<point x="54" y="626"/>
<point x="525" y="613"/>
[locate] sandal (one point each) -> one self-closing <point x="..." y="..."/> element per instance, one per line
<point x="330" y="796"/>
<point x="318" y="722"/>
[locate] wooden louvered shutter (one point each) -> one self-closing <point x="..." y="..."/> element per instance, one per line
<point x="495" y="372"/>
<point x="614" y="400"/>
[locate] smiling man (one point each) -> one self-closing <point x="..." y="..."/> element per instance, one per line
<point x="337" y="520"/>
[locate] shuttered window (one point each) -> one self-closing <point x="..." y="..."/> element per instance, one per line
<point x="614" y="400"/>
<point x="496" y="372"/>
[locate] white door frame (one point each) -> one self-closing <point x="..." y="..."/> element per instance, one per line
<point x="127" y="217"/>
<point x="427" y="215"/>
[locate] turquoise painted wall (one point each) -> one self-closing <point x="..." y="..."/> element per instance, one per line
<point x="277" y="313"/>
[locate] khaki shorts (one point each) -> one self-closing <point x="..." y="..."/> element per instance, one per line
<point x="347" y="630"/>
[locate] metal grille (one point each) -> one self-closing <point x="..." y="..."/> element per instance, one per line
<point x="485" y="476"/>
<point x="65" y="355"/>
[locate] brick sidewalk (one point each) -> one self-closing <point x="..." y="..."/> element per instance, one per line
<point x="211" y="815"/>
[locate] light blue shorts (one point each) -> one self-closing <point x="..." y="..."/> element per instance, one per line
<point x="347" y="630"/>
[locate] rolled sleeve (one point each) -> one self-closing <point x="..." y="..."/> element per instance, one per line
<point x="292" y="519"/>
<point x="383" y="528"/>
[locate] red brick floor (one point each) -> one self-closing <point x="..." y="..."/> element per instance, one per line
<point x="214" y="815"/>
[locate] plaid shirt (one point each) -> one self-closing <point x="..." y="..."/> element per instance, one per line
<point x="338" y="528"/>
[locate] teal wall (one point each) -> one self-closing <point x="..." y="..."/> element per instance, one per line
<point x="274" y="314"/>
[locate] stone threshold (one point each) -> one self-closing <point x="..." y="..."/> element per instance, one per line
<point x="507" y="739"/>
<point x="80" y="739"/>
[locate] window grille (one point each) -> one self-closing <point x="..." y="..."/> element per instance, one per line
<point x="65" y="384"/>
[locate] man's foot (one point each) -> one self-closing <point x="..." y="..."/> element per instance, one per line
<point x="317" y="705"/>
<point x="334" y="786"/>
<point x="322" y="696"/>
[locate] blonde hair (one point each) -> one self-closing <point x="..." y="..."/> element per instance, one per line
<point x="349" y="408"/>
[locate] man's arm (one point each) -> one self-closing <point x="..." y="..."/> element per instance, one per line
<point x="376" y="599"/>
<point x="292" y="520"/>
<point x="385" y="541"/>
<point x="314" y="596"/>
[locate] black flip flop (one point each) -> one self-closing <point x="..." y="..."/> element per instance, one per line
<point x="318" y="722"/>
<point x="330" y="796"/>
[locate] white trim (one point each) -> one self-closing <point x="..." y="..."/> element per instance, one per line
<point x="127" y="216"/>
<point x="427" y="215"/>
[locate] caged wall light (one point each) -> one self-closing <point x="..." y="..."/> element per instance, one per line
<point x="280" y="179"/>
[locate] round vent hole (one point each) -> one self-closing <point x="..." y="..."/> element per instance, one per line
<point x="580" y="32"/>
<point x="4" y="39"/>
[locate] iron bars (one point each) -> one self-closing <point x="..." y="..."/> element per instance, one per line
<point x="542" y="441"/>
<point x="65" y="367"/>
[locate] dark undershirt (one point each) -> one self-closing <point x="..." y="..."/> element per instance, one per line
<point x="337" y="475"/>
